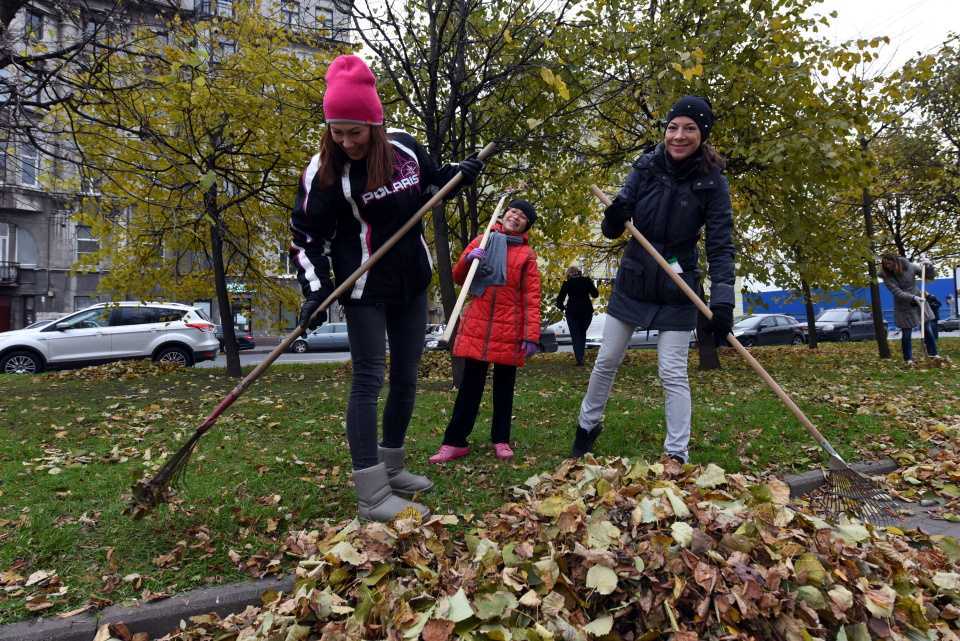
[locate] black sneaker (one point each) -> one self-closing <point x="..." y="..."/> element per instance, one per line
<point x="583" y="441"/>
<point x="678" y="459"/>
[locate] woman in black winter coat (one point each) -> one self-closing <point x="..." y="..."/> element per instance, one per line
<point x="574" y="301"/>
<point x="673" y="193"/>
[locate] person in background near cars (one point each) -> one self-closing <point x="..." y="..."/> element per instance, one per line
<point x="574" y="301"/>
<point x="900" y="277"/>
<point x="673" y="193"/>
<point x="500" y="325"/>
<point x="364" y="185"/>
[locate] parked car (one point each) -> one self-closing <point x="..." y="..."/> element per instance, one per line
<point x="40" y="323"/>
<point x="431" y="340"/>
<point x="639" y="338"/>
<point x="548" y="340"/>
<point x="245" y="340"/>
<point x="949" y="325"/>
<point x="165" y="332"/>
<point x="769" y="329"/>
<point x="845" y="324"/>
<point x="329" y="336"/>
<point x="561" y="331"/>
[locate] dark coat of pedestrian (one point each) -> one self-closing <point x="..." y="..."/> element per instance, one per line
<point x="574" y="301"/>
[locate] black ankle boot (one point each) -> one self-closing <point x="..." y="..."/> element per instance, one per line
<point x="583" y="441"/>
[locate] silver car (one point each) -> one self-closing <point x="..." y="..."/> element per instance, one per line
<point x="329" y="336"/>
<point x="167" y="332"/>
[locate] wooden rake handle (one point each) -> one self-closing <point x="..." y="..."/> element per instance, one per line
<point x="464" y="291"/>
<point x="747" y="356"/>
<point x="923" y="303"/>
<point x="339" y="291"/>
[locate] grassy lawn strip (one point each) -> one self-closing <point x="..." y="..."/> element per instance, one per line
<point x="72" y="444"/>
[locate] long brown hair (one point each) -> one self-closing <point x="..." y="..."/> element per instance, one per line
<point x="711" y="159"/>
<point x="379" y="159"/>
<point x="890" y="264"/>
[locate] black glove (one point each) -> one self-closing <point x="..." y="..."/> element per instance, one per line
<point x="619" y="211"/>
<point x="312" y="302"/>
<point x="470" y="167"/>
<point x="722" y="322"/>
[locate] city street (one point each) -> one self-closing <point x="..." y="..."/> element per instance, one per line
<point x="252" y="358"/>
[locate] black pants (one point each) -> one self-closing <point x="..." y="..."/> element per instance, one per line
<point x="578" y="334"/>
<point x="368" y="327"/>
<point x="467" y="405"/>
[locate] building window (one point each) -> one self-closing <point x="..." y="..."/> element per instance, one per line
<point x="222" y="50"/>
<point x="225" y="8"/>
<point x="33" y="27"/>
<point x="325" y="18"/>
<point x="27" y="253"/>
<point x="79" y="302"/>
<point x="288" y="265"/>
<point x="205" y="7"/>
<point x="290" y="13"/>
<point x="29" y="164"/>
<point x="86" y="243"/>
<point x="4" y="242"/>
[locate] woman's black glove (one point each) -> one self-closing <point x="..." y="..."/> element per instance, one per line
<point x="470" y="167"/>
<point x="310" y="305"/>
<point x="619" y="211"/>
<point x="722" y="322"/>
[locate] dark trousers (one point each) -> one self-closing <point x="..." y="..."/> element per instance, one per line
<point x="578" y="335"/>
<point x="369" y="327"/>
<point x="467" y="405"/>
<point x="929" y="337"/>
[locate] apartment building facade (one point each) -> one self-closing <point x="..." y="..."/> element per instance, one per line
<point x="40" y="237"/>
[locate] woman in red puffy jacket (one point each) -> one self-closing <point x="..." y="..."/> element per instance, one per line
<point x="500" y="325"/>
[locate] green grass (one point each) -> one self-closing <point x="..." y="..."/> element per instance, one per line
<point x="73" y="444"/>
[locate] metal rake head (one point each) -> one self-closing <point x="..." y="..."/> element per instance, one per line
<point x="848" y="492"/>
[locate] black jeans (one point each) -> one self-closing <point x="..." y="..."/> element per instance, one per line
<point x="369" y="327"/>
<point x="467" y="405"/>
<point x="578" y="334"/>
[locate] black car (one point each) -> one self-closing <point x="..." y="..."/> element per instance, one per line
<point x="769" y="329"/>
<point x="949" y="325"/>
<point x="244" y="339"/>
<point x="844" y="324"/>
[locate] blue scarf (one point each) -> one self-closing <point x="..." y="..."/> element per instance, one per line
<point x="493" y="267"/>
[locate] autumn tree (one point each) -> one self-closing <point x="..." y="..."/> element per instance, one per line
<point x="196" y="140"/>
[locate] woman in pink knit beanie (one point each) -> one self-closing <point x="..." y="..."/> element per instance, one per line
<point x="365" y="184"/>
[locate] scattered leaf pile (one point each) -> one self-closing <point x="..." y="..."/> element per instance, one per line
<point x="935" y="478"/>
<point x="119" y="370"/>
<point x="617" y="550"/>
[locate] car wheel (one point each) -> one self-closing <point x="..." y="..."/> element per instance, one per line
<point x="175" y="355"/>
<point x="843" y="337"/>
<point x="299" y="347"/>
<point x="797" y="340"/>
<point x="21" y="362"/>
<point x="746" y="342"/>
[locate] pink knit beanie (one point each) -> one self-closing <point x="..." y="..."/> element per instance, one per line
<point x="351" y="93"/>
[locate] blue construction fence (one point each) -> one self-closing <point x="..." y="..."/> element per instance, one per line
<point x="789" y="302"/>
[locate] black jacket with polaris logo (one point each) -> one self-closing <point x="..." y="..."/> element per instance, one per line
<point x="340" y="226"/>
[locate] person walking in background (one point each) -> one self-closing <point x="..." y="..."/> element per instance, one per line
<point x="673" y="193"/>
<point x="574" y="301"/>
<point x="900" y="277"/>
<point x="935" y="304"/>
<point x="500" y="325"/>
<point x="361" y="188"/>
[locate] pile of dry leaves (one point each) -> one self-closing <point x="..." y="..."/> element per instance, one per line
<point x="614" y="550"/>
<point x="119" y="370"/>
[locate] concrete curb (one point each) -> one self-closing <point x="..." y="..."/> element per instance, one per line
<point x="155" y="619"/>
<point x="806" y="482"/>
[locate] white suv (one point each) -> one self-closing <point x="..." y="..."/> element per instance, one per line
<point x="169" y="332"/>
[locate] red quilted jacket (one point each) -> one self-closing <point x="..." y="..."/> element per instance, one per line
<point x="493" y="325"/>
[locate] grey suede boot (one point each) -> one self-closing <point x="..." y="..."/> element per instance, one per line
<point x="375" y="500"/>
<point x="404" y="483"/>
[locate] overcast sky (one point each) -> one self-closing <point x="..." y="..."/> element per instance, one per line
<point x="912" y="25"/>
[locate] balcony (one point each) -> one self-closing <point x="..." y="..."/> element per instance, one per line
<point x="9" y="273"/>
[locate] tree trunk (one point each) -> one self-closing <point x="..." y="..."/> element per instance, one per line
<point x="220" y="281"/>
<point x="879" y="329"/>
<point x="706" y="343"/>
<point x="811" y="321"/>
